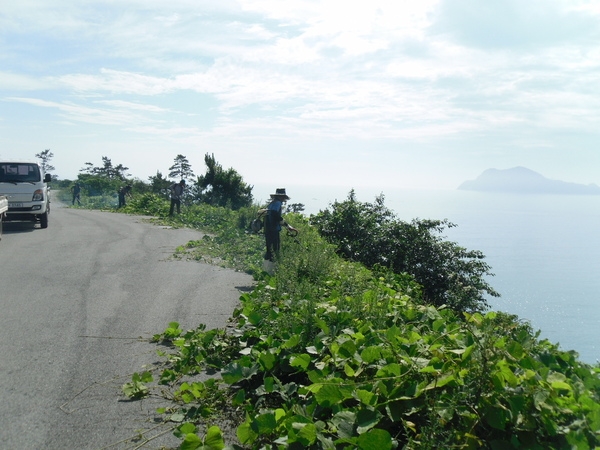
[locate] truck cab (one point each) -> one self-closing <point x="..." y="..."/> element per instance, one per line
<point x="26" y="187"/>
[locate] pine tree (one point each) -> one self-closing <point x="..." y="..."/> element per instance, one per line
<point x="159" y="185"/>
<point x="107" y="170"/>
<point x="222" y="187"/>
<point x="181" y="169"/>
<point x="45" y="158"/>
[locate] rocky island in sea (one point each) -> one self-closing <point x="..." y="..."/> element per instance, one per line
<point x="525" y="181"/>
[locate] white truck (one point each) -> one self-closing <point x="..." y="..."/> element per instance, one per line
<point x="3" y="209"/>
<point x="26" y="187"/>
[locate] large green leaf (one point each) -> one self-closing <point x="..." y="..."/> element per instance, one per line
<point x="375" y="439"/>
<point x="265" y="423"/>
<point x="235" y="372"/>
<point x="389" y="370"/>
<point x="322" y="325"/>
<point x="246" y="434"/>
<point x="292" y="342"/>
<point x="214" y="439"/>
<point x="366" y="397"/>
<point x="367" y="419"/>
<point x="301" y="361"/>
<point x="442" y="381"/>
<point x="307" y="433"/>
<point x="191" y="442"/>
<point x="347" y="349"/>
<point x="497" y="416"/>
<point x="255" y="318"/>
<point x="370" y="354"/>
<point x="559" y="382"/>
<point x="344" y="423"/>
<point x="267" y="360"/>
<point x="504" y="375"/>
<point x="187" y="428"/>
<point x="332" y="394"/>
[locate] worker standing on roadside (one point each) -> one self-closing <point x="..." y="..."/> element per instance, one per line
<point x="274" y="222"/>
<point x="123" y="192"/>
<point x="176" y="194"/>
<point x="76" y="193"/>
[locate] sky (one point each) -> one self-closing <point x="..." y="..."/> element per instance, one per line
<point x="381" y="94"/>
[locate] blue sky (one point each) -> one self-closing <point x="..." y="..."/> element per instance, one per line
<point x="384" y="93"/>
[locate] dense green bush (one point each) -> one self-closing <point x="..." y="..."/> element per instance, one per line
<point x="148" y="204"/>
<point x="220" y="187"/>
<point x="371" y="234"/>
<point x="97" y="185"/>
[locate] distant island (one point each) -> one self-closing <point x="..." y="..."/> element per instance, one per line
<point x="525" y="181"/>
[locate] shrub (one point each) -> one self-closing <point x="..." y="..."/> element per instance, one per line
<point x="148" y="204"/>
<point x="370" y="233"/>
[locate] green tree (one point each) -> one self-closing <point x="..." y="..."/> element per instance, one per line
<point x="220" y="187"/>
<point x="296" y="207"/>
<point x="371" y="234"/>
<point x="106" y="170"/>
<point x="102" y="180"/>
<point x="139" y="186"/>
<point x="96" y="185"/>
<point x="159" y="185"/>
<point x="45" y="158"/>
<point x="181" y="169"/>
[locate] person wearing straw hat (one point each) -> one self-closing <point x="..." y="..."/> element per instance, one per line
<point x="274" y="222"/>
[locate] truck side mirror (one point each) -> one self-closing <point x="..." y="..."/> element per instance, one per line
<point x="47" y="178"/>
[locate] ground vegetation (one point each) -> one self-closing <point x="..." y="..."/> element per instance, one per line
<point x="328" y="353"/>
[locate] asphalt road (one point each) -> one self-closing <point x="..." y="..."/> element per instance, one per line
<point x="74" y="300"/>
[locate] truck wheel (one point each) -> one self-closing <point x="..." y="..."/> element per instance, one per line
<point x="44" y="220"/>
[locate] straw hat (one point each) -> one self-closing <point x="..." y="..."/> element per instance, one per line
<point x="280" y="192"/>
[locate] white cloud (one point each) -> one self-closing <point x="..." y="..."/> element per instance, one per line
<point x="130" y="105"/>
<point x="434" y="75"/>
<point x="20" y="82"/>
<point x="117" y="82"/>
<point x="121" y="115"/>
<point x="514" y="24"/>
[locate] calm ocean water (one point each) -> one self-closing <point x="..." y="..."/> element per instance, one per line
<point x="543" y="249"/>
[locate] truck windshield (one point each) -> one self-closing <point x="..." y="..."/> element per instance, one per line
<point x="17" y="172"/>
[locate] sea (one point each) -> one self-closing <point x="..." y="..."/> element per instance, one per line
<point x="544" y="250"/>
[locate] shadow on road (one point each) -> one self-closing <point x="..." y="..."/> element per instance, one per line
<point x="245" y="288"/>
<point x="19" y="227"/>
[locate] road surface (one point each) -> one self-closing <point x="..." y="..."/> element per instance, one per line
<point x="74" y="300"/>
